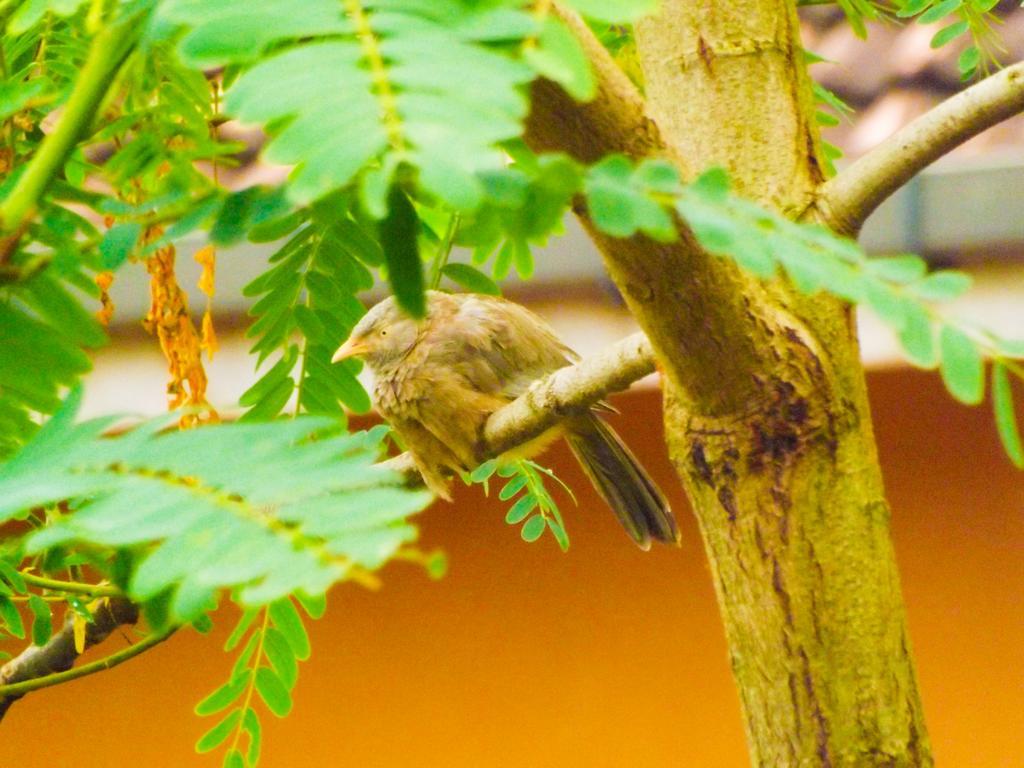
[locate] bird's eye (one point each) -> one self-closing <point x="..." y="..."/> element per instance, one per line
<point x="383" y="332"/>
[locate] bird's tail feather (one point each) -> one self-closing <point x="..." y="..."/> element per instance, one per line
<point x="622" y="482"/>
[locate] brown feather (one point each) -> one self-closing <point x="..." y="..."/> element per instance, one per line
<point x="439" y="379"/>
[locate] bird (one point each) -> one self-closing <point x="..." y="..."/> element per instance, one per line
<point x="438" y="378"/>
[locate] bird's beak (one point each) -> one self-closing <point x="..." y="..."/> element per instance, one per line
<point x="351" y="348"/>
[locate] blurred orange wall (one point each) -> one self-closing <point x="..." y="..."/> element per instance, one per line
<point x="605" y="656"/>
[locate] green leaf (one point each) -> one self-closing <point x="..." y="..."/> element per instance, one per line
<point x="503" y="263"/>
<point x="621" y="202"/>
<point x="898" y="269"/>
<point x="251" y="724"/>
<point x="940" y="11"/>
<point x="659" y="176"/>
<point x="252" y="28"/>
<point x="275" y="229"/>
<point x="509" y="470"/>
<point x="315" y="606"/>
<point x="712" y="185"/>
<point x="826" y="118"/>
<point x="512" y="487"/>
<point x="918" y="336"/>
<point x="272" y="379"/>
<point x="203" y="624"/>
<point x="614" y="10"/>
<point x="31" y="13"/>
<point x="963" y="370"/>
<point x="947" y="34"/>
<point x="831" y="100"/>
<point x="968" y="61"/>
<point x="273" y="692"/>
<point x="217" y="735"/>
<point x="234" y="759"/>
<point x="118" y="243"/>
<point x="484" y="471"/>
<point x="57" y="305"/>
<point x="558" y="531"/>
<point x="522" y="259"/>
<point x="471" y="278"/>
<point x="941" y="286"/>
<point x="912" y="8"/>
<point x="317" y="88"/>
<point x="11" y="575"/>
<point x="42" y="622"/>
<point x="245" y="209"/>
<point x="14" y="96"/>
<point x="533" y="528"/>
<point x="231" y="506"/>
<point x="523" y="507"/>
<point x="271" y="403"/>
<point x="241" y="627"/>
<point x="224" y="696"/>
<point x="281" y="657"/>
<point x="241" y="665"/>
<point x="558" y="56"/>
<point x="1005" y="415"/>
<point x="284" y="616"/>
<point x="437" y="565"/>
<point x="398" y="233"/>
<point x="887" y="304"/>
<point x="11" y="617"/>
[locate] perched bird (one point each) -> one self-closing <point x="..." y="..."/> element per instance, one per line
<point x="439" y="378"/>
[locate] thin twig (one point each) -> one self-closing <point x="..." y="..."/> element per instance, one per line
<point x="107" y="662"/>
<point x="72" y="587"/>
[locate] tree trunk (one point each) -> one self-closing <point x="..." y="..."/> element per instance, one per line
<point x="765" y="404"/>
<point x="787" y="490"/>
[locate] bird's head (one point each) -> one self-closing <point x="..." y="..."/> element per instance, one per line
<point x="384" y="334"/>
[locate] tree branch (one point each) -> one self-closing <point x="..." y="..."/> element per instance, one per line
<point x="570" y="390"/>
<point x="42" y="666"/>
<point x="702" y="314"/>
<point x="845" y="202"/>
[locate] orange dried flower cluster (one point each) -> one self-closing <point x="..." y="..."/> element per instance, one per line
<point x="106" y="310"/>
<point x="206" y="257"/>
<point x="169" y="319"/>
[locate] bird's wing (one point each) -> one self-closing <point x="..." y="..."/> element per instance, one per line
<point x="501" y="347"/>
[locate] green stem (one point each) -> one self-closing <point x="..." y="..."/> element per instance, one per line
<point x="73" y="587"/>
<point x="378" y="75"/>
<point x="444" y="250"/>
<point x="1011" y="365"/>
<point x="108" y="51"/>
<point x="255" y="665"/>
<point x="108" y="662"/>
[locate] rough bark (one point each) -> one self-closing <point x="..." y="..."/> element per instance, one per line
<point x="766" y="411"/>
<point x="725" y="309"/>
